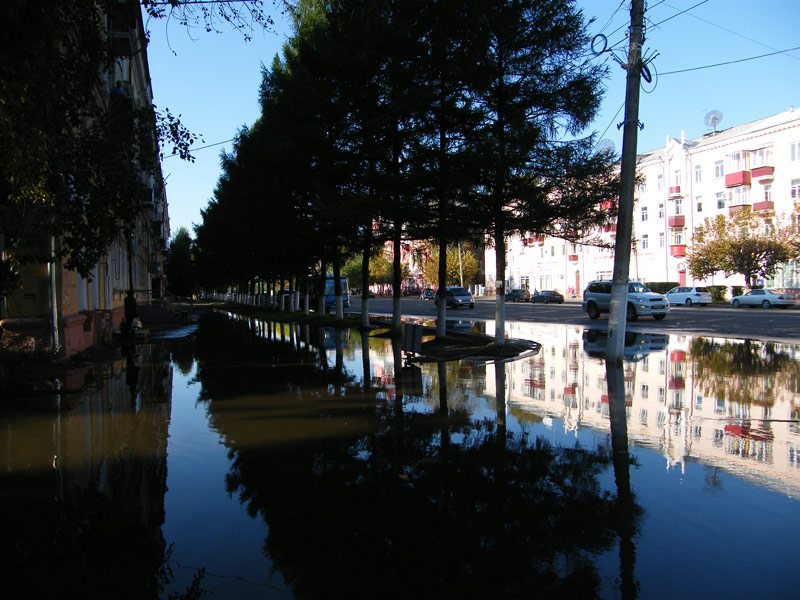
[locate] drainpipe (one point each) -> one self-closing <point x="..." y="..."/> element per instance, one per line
<point x="51" y="268"/>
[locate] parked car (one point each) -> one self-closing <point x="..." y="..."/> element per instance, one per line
<point x="762" y="298"/>
<point x="456" y="296"/>
<point x="688" y="296"/>
<point x="548" y="297"/>
<point x="518" y="295"/>
<point x="427" y="294"/>
<point x="641" y="301"/>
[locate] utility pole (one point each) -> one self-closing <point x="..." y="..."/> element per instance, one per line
<point x="622" y="250"/>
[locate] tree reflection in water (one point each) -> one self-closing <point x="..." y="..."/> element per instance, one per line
<point x="366" y="499"/>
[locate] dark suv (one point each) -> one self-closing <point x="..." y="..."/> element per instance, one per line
<point x="456" y="297"/>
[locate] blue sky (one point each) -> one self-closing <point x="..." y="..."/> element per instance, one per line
<point x="212" y="80"/>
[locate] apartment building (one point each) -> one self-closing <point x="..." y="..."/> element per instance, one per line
<point x="755" y="165"/>
<point x="58" y="307"/>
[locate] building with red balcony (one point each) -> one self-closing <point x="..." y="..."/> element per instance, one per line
<point x="685" y="182"/>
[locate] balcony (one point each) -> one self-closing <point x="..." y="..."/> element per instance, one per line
<point x="765" y="205"/>
<point x="676" y="221"/>
<point x="607" y="205"/>
<point x="677" y="250"/>
<point x="763" y="173"/>
<point x="737" y="178"/>
<point x="677" y="356"/>
<point x="610" y="228"/>
<point x="732" y="210"/>
<point x="675" y="191"/>
<point x="676" y="383"/>
<point x="573" y="258"/>
<point x="536" y="239"/>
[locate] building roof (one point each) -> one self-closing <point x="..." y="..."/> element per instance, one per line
<point x="789" y="117"/>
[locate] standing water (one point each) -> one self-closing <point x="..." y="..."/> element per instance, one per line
<point x="247" y="459"/>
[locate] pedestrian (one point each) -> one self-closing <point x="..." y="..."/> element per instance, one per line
<point x="131" y="313"/>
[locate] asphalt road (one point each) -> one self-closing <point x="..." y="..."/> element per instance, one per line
<point x="719" y="321"/>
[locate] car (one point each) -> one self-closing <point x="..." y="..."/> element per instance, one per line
<point x="641" y="301"/>
<point x="427" y="294"/>
<point x="637" y="345"/>
<point x="518" y="295"/>
<point x="762" y="298"/>
<point x="688" y="296"/>
<point x="456" y="296"/>
<point x="548" y="297"/>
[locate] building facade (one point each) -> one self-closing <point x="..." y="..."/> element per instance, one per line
<point x="755" y="165"/>
<point x="58" y="309"/>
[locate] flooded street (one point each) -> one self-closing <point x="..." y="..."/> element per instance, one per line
<point x="260" y="460"/>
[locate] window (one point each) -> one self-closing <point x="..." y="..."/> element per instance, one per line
<point x="677" y="237"/>
<point x="738" y="161"/>
<point x="678" y="206"/>
<point x="698" y="201"/>
<point x="794" y="153"/>
<point x="645" y="241"/>
<point x="644" y="212"/>
<point x="795" y="189"/>
<point x="719" y="170"/>
<point x="677" y="178"/>
<point x="660" y="211"/>
<point x="720" y="199"/>
<point x="645" y="390"/>
<point x="739" y="195"/>
<point x="661" y="239"/>
<point x="762" y="157"/>
<point x="662" y="394"/>
<point x="659" y="182"/>
<point x="768" y="193"/>
<point x="698" y="174"/>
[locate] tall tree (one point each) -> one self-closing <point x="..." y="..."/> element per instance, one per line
<point x="536" y="90"/>
<point x="179" y="270"/>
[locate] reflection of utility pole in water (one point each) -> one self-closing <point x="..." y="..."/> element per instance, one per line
<point x="615" y="376"/>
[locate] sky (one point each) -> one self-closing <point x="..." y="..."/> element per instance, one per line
<point x="212" y="79"/>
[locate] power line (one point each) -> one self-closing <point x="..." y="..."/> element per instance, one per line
<point x="733" y="32"/>
<point x="680" y="13"/>
<point x="203" y="147"/>
<point x="731" y="62"/>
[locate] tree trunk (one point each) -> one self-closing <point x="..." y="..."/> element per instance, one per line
<point x="500" y="286"/>
<point x="365" y="278"/>
<point x="397" y="278"/>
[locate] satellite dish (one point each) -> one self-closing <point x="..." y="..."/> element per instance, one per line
<point x="606" y="146"/>
<point x="712" y="119"/>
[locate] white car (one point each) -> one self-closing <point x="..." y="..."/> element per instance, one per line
<point x="688" y="296"/>
<point x="762" y="298"/>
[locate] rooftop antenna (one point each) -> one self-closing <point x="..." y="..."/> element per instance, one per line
<point x="712" y="119"/>
<point x="607" y="147"/>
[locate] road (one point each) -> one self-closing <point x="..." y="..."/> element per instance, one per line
<point x="721" y="321"/>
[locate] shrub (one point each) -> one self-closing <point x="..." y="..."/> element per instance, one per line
<point x="661" y="287"/>
<point x="737" y="290"/>
<point x="719" y="293"/>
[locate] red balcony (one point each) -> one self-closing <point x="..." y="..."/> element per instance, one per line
<point x="765" y="205"/>
<point x="573" y="258"/>
<point x="677" y="356"/>
<point x="675" y="191"/>
<point x="677" y="250"/>
<point x="676" y="221"/>
<point x="610" y="228"/>
<point x="607" y="205"/>
<point x="738" y="178"/>
<point x="763" y="173"/>
<point x="676" y="383"/>
<point x="534" y="239"/>
<point x="732" y="210"/>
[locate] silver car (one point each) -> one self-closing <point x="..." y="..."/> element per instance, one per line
<point x="762" y="298"/>
<point x="687" y="296"/>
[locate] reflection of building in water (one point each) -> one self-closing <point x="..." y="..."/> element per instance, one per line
<point x="685" y="399"/>
<point x="95" y="464"/>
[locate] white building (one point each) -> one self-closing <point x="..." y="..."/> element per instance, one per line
<point x="756" y="164"/>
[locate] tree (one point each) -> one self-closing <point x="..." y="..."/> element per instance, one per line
<point x="179" y="269"/>
<point x="468" y="266"/>
<point x="746" y="243"/>
<point x="533" y="86"/>
<point x="72" y="164"/>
